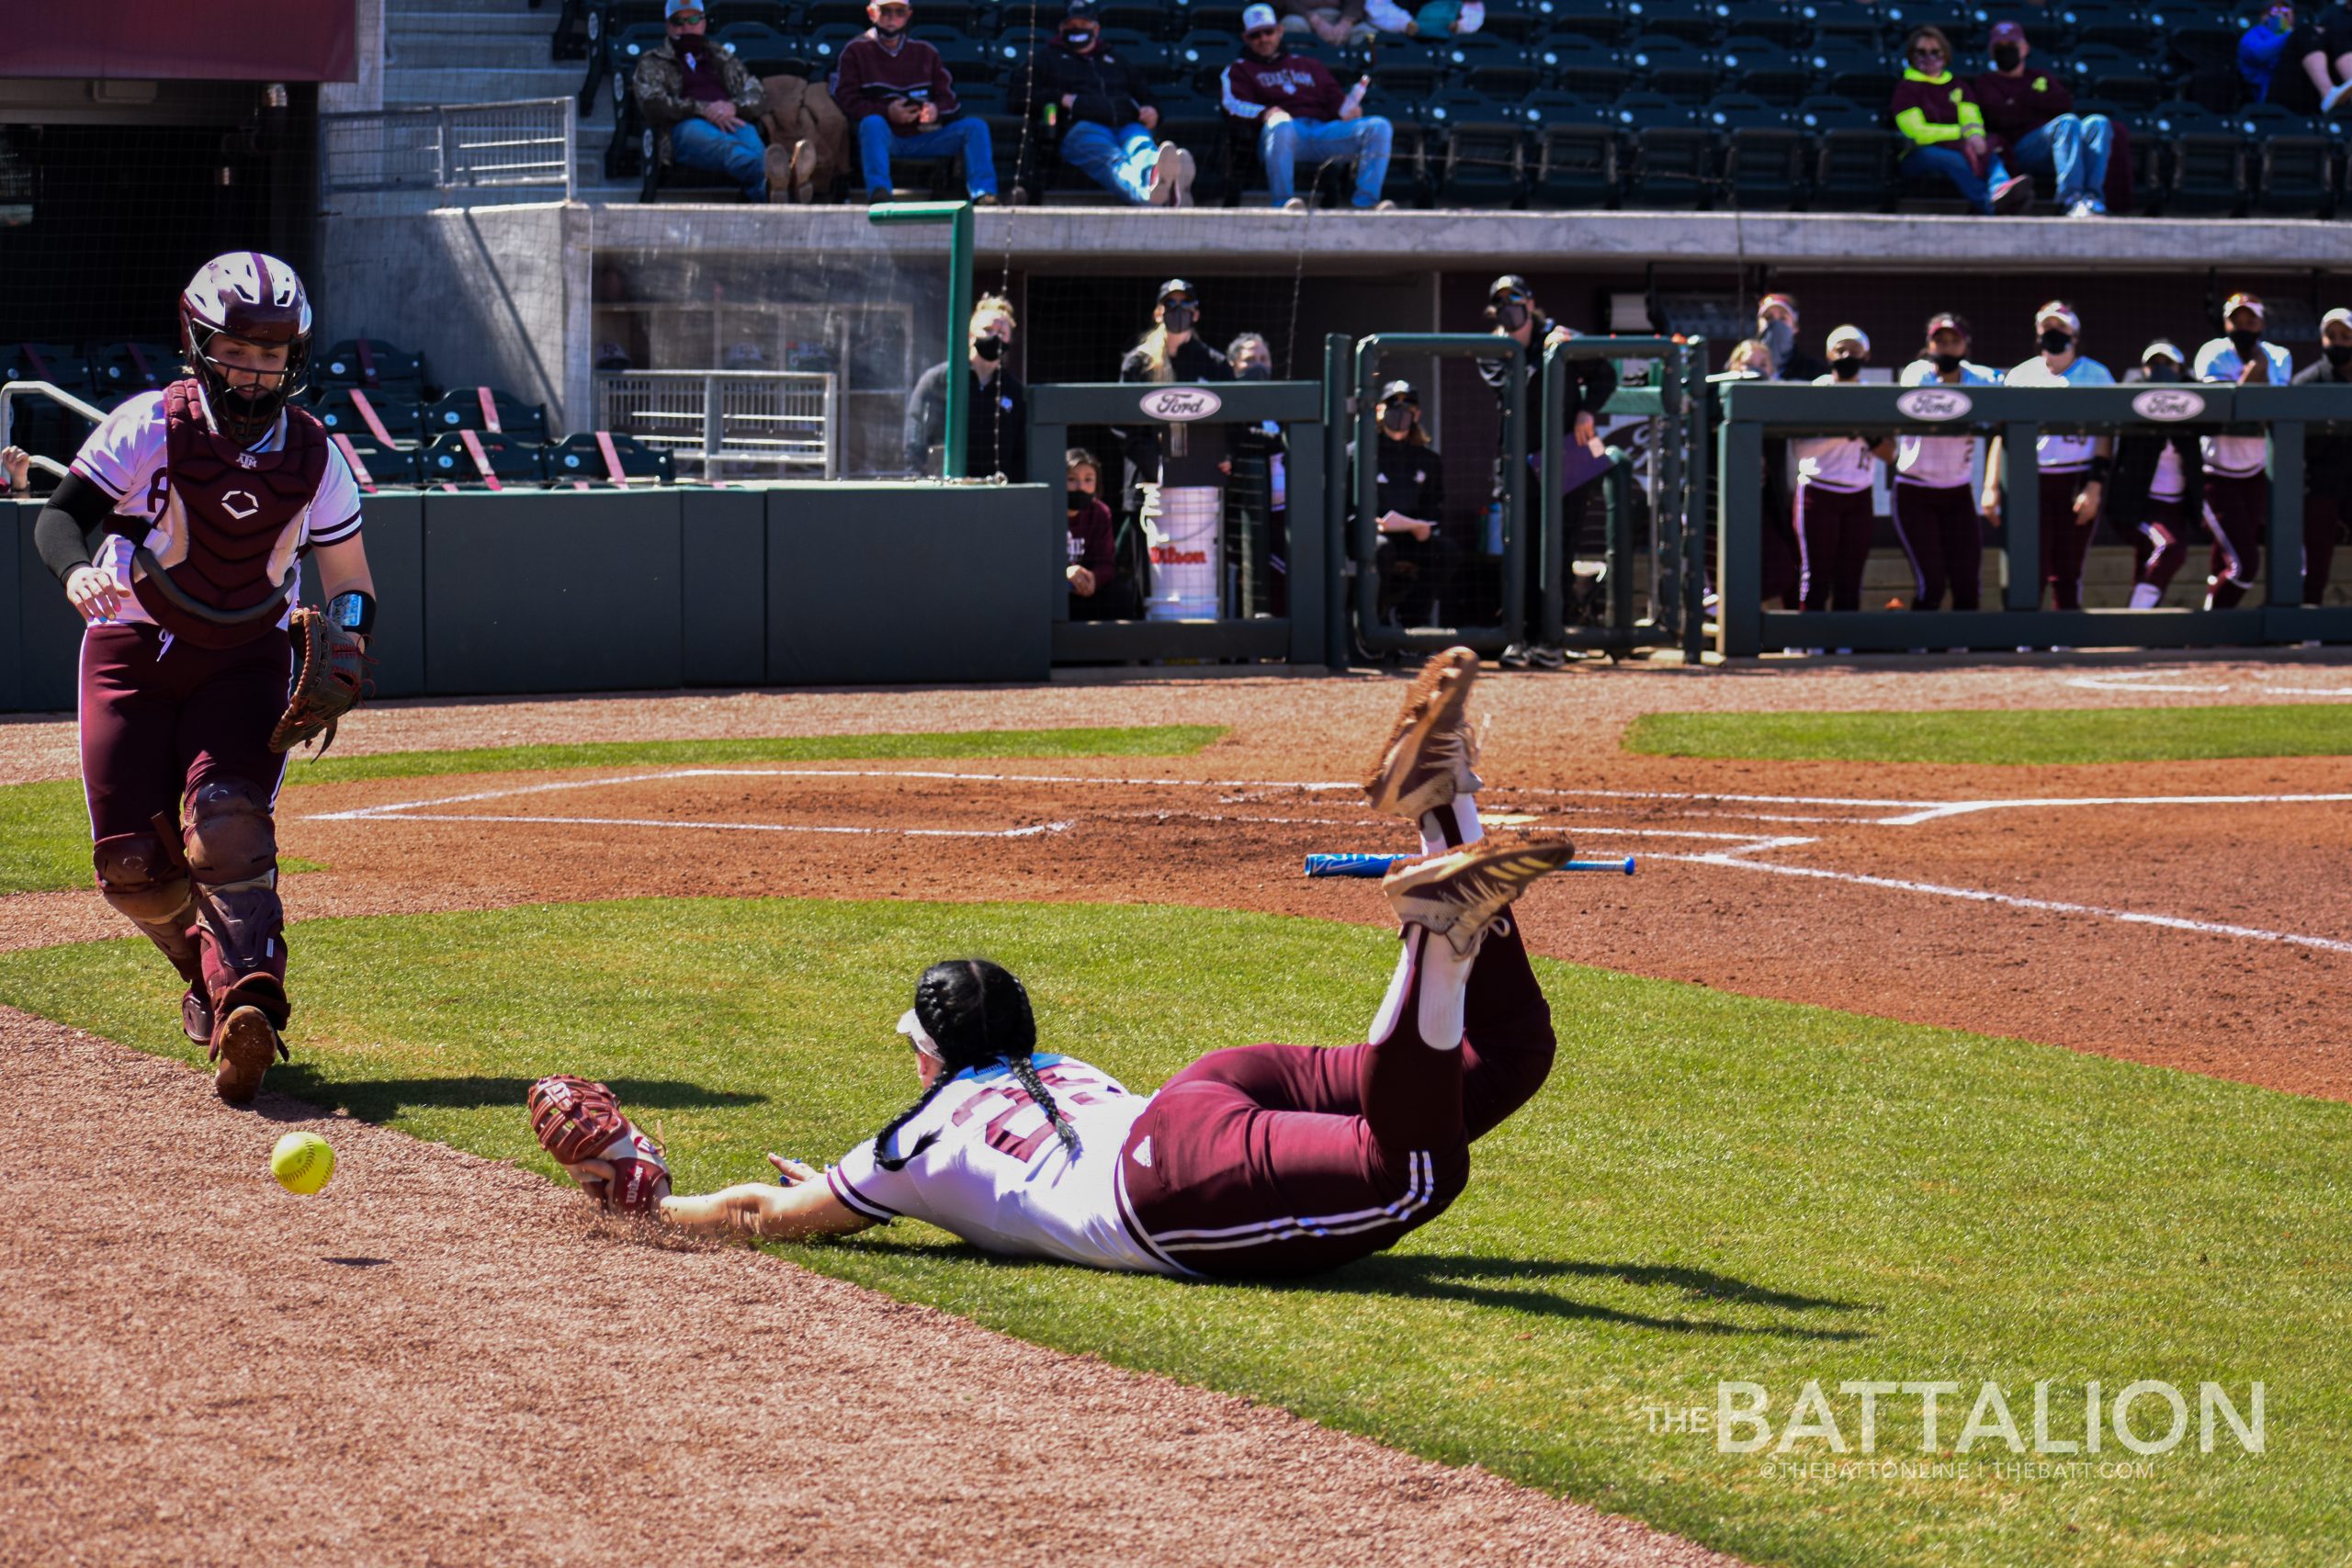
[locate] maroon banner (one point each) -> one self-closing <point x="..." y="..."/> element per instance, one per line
<point x="203" y="40"/>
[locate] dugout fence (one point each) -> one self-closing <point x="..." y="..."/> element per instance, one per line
<point x="1752" y="411"/>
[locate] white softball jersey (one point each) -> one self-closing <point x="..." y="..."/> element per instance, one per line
<point x="2067" y="454"/>
<point x="2238" y="457"/>
<point x="126" y="456"/>
<point x="983" y="1162"/>
<point x="1940" y="462"/>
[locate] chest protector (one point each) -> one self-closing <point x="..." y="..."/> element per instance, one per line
<point x="228" y="515"/>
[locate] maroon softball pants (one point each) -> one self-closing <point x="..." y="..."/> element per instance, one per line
<point x="2160" y="544"/>
<point x="1287" y="1160"/>
<point x="2064" y="542"/>
<point x="2323" y="524"/>
<point x="1938" y="526"/>
<point x="2237" y="511"/>
<point x="1833" y="544"/>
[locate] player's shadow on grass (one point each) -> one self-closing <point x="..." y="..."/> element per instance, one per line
<point x="375" y="1100"/>
<point x="1521" y="1285"/>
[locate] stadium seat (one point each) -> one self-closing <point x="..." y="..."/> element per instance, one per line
<point x="376" y="468"/>
<point x="1216" y="19"/>
<point x="605" y="23"/>
<point x="1676" y="67"/>
<point x="1756" y="64"/>
<point x="2207" y="171"/>
<point x="1151" y="20"/>
<point x="1672" y="162"/>
<point x="968" y="17"/>
<point x="461" y="408"/>
<point x="1702" y="22"/>
<point x="626" y="48"/>
<point x="762" y="49"/>
<point x="1855" y="154"/>
<point x="1575" y="156"/>
<point x="1589" y="69"/>
<point x="1204" y="54"/>
<point x="1967" y="29"/>
<point x="2203" y="52"/>
<point x="126" y="370"/>
<point x="1842" y="24"/>
<point x="781" y="15"/>
<point x="1856" y="72"/>
<point x="1410" y="181"/>
<point x="2122" y="23"/>
<point x="449" y="459"/>
<point x="1599" y="20"/>
<point x="824" y="45"/>
<point x="1478" y="149"/>
<point x="1763" y="152"/>
<point x="968" y="59"/>
<point x="1777" y="23"/>
<point x="1412" y="69"/>
<point x="2145" y="148"/>
<point x="584" y="456"/>
<point x="2104" y="71"/>
<point x="1505" y="70"/>
<point x="815" y="13"/>
<point x="371" y="362"/>
<point x="2294" y="163"/>
<point x="1517" y="22"/>
<point x="1149" y="56"/>
<point x="378" y="418"/>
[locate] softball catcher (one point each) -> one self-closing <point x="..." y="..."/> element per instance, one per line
<point x="1254" y="1161"/>
<point x="176" y="537"/>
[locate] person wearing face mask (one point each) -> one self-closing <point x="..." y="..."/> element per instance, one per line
<point x="2237" y="491"/>
<point x="702" y="105"/>
<point x="2327" y="459"/>
<point x="1417" y="560"/>
<point x="2158" y="475"/>
<point x="2032" y="117"/>
<point x="2072" y="469"/>
<point x="1935" y="111"/>
<point x="1834" y="515"/>
<point x="1181" y="468"/>
<point x="1935" y="497"/>
<point x="1513" y="312"/>
<point x="1097" y="592"/>
<point x="1261" y="475"/>
<point x="996" y="426"/>
<point x="1784" y="359"/>
<point x="1299" y="110"/>
<point x="1110" y="116"/>
<point x="2302" y="64"/>
<point x="901" y="104"/>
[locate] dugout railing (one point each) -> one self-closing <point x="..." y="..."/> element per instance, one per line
<point x="1754" y="410"/>
<point x="1302" y="410"/>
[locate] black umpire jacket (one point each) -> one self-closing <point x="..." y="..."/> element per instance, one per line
<point x="2126" y="503"/>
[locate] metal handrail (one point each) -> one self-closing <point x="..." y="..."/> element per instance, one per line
<point x="10" y="391"/>
<point x="447" y="174"/>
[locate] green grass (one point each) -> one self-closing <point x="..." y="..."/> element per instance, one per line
<point x="45" y="830"/>
<point x="2031" y="736"/>
<point x="1709" y="1188"/>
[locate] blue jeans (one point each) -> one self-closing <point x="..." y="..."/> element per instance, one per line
<point x="739" y="153"/>
<point x="1118" y="160"/>
<point x="1953" y="163"/>
<point x="1364" y="142"/>
<point x="877" y="143"/>
<point x="2073" y="151"/>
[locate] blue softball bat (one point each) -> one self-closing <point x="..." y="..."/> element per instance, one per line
<point x="1377" y="865"/>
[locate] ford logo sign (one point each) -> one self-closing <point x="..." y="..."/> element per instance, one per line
<point x="1933" y="403"/>
<point x="2168" y="405"/>
<point x="1177" y="405"/>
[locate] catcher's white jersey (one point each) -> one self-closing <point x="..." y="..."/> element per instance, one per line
<point x="127" y="457"/>
<point x="984" y="1163"/>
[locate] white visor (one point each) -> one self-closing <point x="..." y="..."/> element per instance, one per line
<point x="912" y="1027"/>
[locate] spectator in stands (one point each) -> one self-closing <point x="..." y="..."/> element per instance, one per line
<point x="2300" y="65"/>
<point x="1182" y="475"/>
<point x="2030" y="116"/>
<point x="1776" y="328"/>
<point x="1512" y="311"/>
<point x="1934" y="108"/>
<point x="2327" y="459"/>
<point x="1416" y="559"/>
<point x="2072" y="469"/>
<point x="16" y="470"/>
<point x="2158" y="479"/>
<point x="897" y="94"/>
<point x="1785" y="360"/>
<point x="1261" y="468"/>
<point x="701" y="103"/>
<point x="1834" y="517"/>
<point x="1096" y="590"/>
<point x="1343" y="25"/>
<point x="1432" y="19"/>
<point x="1299" y="109"/>
<point x="1110" y="117"/>
<point x="1935" y="494"/>
<point x="2237" y="491"/>
<point x="996" y="431"/>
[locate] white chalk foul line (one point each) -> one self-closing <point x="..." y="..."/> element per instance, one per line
<point x="1029" y="833"/>
<point x="2015" y="902"/>
<point x="1963" y="808"/>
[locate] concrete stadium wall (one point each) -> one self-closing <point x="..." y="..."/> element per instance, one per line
<point x="646" y="590"/>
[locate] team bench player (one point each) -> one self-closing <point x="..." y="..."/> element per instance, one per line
<point x="1253" y="1161"/>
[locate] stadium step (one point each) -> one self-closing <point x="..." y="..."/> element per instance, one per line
<point x="479" y="83"/>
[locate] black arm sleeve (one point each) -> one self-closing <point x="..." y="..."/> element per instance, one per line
<point x="68" y="528"/>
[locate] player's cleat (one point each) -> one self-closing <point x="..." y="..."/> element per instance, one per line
<point x="196" y="1015"/>
<point x="1458" y="895"/>
<point x="1431" y="755"/>
<point x="245" y="1046"/>
<point x="579" y="1123"/>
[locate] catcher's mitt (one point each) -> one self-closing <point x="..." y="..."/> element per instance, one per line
<point x="581" y="1123"/>
<point x="329" y="679"/>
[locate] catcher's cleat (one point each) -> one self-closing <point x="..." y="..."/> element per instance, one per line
<point x="1430" y="754"/>
<point x="244" y="1045"/>
<point x="579" y="1123"/>
<point x="196" y="1015"/>
<point x="1460" y="894"/>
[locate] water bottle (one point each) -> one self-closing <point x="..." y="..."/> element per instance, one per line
<point x="1356" y="93"/>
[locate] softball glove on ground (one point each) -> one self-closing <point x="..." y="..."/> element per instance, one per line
<point x="330" y="680"/>
<point x="581" y="1124"/>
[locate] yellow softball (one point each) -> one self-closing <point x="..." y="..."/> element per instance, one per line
<point x="302" y="1162"/>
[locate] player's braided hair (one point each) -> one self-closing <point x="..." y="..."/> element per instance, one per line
<point x="976" y="1012"/>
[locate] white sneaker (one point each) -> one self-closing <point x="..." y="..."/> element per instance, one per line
<point x="1164" y="171"/>
<point x="2333" y="96"/>
<point x="2082" y="208"/>
<point x="1186" y="170"/>
<point x="1295" y="204"/>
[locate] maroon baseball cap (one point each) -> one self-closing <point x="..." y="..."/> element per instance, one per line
<point x="1948" y="323"/>
<point x="2008" y="32"/>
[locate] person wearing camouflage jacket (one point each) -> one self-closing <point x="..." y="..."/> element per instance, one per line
<point x="701" y="103"/>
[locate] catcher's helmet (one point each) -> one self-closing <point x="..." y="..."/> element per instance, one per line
<point x="247" y="294"/>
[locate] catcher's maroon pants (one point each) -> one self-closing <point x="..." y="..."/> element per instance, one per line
<point x="1286" y="1159"/>
<point x="159" y="717"/>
